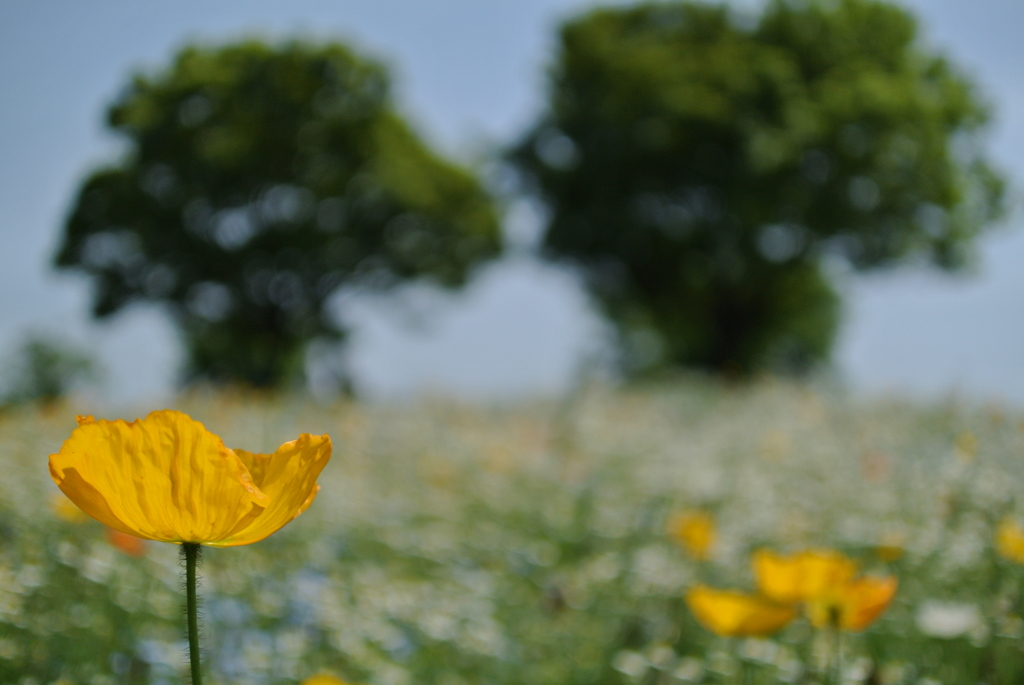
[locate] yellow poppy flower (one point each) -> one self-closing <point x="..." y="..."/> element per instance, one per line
<point x="803" y="576"/>
<point x="854" y="605"/>
<point x="824" y="581"/>
<point x="1010" y="541"/>
<point x="66" y="510"/>
<point x="736" y="614"/>
<point x="167" y="478"/>
<point x="695" y="531"/>
<point x="324" y="679"/>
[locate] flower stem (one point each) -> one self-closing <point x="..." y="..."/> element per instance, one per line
<point x="190" y="550"/>
<point x="837" y="656"/>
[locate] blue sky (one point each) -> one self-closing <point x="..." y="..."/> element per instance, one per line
<point x="470" y="74"/>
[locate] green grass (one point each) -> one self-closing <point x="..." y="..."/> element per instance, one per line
<point x="453" y="545"/>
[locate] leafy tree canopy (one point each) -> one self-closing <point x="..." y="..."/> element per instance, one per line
<point x="257" y="181"/>
<point x="44" y="370"/>
<point x="700" y="166"/>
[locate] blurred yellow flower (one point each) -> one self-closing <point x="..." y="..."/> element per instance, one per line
<point x="695" y="531"/>
<point x="889" y="553"/>
<point x="802" y="576"/>
<point x="965" y="446"/>
<point x="66" y="510"/>
<point x="1010" y="540"/>
<point x="892" y="547"/>
<point x="825" y="582"/>
<point x="729" y="613"/>
<point x="167" y="478"/>
<point x="853" y="606"/>
<point x="324" y="679"/>
<point x="129" y="544"/>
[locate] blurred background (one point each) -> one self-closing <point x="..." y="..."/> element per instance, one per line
<point x="614" y="313"/>
<point x="470" y="79"/>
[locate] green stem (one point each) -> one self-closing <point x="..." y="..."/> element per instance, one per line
<point x="191" y="552"/>
<point x="738" y="674"/>
<point x="837" y="656"/>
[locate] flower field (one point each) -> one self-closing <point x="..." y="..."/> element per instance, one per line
<point x="552" y="544"/>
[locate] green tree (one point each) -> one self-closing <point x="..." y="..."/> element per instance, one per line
<point x="44" y="370"/>
<point x="257" y="181"/>
<point x="701" y="167"/>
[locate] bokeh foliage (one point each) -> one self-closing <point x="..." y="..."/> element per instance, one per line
<point x="457" y="545"/>
<point x="44" y="370"/>
<point x="257" y="180"/>
<point x="701" y="165"/>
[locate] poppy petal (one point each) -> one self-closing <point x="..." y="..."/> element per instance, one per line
<point x="288" y="477"/>
<point x="801" y="577"/>
<point x="729" y="613"/>
<point x="866" y="599"/>
<point x="163" y="478"/>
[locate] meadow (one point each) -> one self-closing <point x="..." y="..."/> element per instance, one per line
<point x="499" y="545"/>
